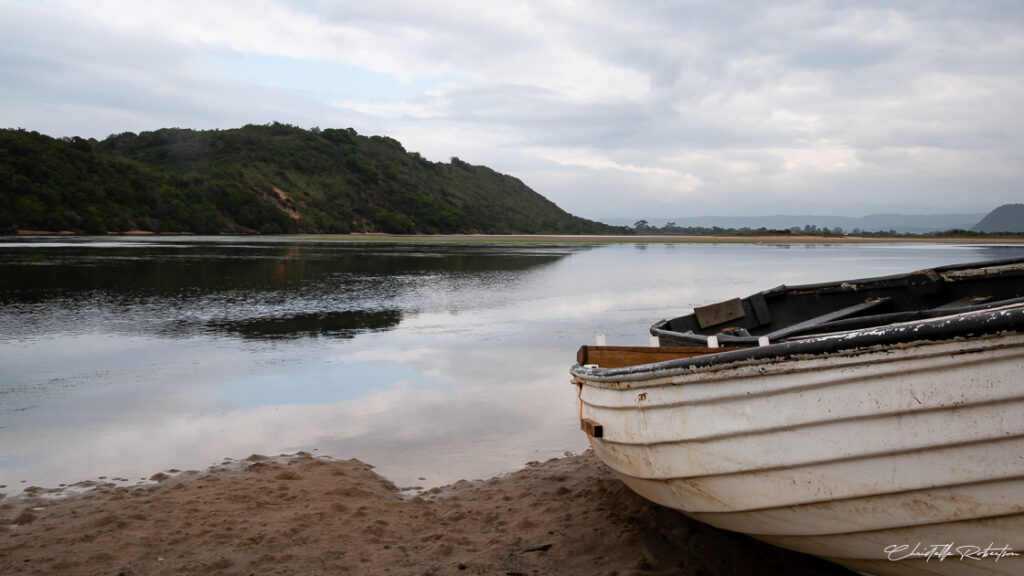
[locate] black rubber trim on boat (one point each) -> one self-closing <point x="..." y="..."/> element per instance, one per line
<point x="938" y="329"/>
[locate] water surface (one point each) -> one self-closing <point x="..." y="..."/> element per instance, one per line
<point x="432" y="361"/>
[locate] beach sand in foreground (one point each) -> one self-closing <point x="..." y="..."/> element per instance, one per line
<point x="304" y="515"/>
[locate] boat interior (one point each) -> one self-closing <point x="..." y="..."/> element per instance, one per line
<point x="798" y="317"/>
<point x="789" y="312"/>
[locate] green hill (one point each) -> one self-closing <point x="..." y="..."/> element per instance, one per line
<point x="260" y="179"/>
<point x="1006" y="218"/>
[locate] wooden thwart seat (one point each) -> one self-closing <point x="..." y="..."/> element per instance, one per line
<point x="811" y="323"/>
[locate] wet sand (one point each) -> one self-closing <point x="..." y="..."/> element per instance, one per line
<point x="303" y="515"/>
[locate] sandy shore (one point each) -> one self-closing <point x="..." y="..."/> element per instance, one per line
<point x="304" y="515"/>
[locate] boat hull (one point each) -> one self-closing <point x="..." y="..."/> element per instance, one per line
<point x="864" y="456"/>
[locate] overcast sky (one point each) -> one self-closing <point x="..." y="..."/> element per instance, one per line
<point x="611" y="109"/>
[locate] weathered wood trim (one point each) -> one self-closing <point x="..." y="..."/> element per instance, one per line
<point x="593" y="429"/>
<point x="622" y="356"/>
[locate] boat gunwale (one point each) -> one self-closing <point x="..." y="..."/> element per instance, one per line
<point x="993" y="322"/>
<point x="858" y="358"/>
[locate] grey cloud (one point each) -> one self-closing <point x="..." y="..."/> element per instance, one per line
<point x="83" y="79"/>
<point x="770" y="105"/>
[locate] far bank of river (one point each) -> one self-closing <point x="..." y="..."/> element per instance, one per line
<point x="599" y="239"/>
<point x="660" y="239"/>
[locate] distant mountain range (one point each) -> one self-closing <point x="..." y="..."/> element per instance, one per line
<point x="902" y="223"/>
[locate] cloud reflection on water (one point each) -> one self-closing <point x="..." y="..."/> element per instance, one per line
<point x="485" y="417"/>
<point x="435" y="362"/>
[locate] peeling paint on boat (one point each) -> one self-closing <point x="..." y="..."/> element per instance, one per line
<point x="841" y="445"/>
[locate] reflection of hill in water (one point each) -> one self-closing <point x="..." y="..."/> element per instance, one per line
<point x="345" y="324"/>
<point x="252" y="290"/>
<point x="183" y="271"/>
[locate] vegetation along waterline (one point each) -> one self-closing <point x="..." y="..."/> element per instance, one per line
<point x="652" y="239"/>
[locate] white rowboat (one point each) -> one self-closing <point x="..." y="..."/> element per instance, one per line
<point x="893" y="448"/>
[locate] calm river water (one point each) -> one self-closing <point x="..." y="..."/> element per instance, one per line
<point x="120" y="358"/>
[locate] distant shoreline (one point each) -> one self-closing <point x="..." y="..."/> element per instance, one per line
<point x="586" y="239"/>
<point x="583" y="238"/>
